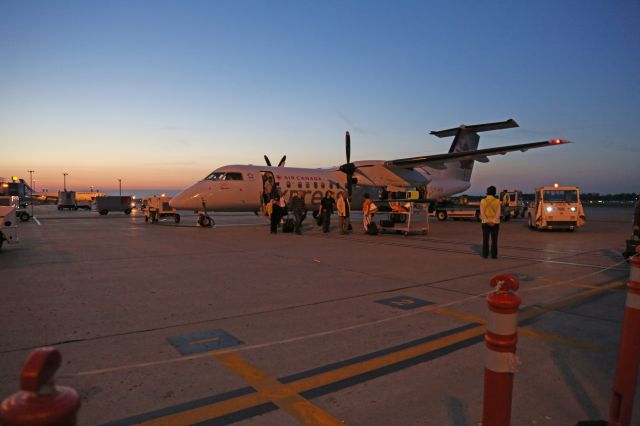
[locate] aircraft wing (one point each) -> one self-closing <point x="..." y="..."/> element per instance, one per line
<point x="481" y="155"/>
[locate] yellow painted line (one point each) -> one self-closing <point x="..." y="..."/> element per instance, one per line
<point x="211" y="339"/>
<point x="539" y="310"/>
<point x="229" y="406"/>
<point x="223" y="408"/>
<point x="284" y="396"/>
<point x="570" y="284"/>
<point x="524" y="330"/>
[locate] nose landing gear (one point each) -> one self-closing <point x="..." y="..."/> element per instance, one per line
<point x="204" y="219"/>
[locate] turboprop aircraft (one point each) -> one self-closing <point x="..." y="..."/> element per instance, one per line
<point x="237" y="188"/>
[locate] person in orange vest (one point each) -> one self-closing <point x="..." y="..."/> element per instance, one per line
<point x="490" y="216"/>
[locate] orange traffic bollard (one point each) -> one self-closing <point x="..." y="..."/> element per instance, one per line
<point x="624" y="386"/>
<point x="41" y="402"/>
<point x="501" y="362"/>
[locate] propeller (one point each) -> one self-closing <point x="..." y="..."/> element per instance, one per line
<point x="348" y="168"/>
<point x="280" y="164"/>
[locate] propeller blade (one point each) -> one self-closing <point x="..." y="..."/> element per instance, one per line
<point x="281" y="163"/>
<point x="347" y="141"/>
<point x="267" y="160"/>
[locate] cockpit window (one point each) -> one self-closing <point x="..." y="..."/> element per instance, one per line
<point x="233" y="176"/>
<point x="224" y="176"/>
<point x="215" y="176"/>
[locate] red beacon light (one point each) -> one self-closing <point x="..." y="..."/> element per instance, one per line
<point x="555" y="141"/>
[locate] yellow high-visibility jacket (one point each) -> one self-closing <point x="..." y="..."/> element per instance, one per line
<point x="490" y="210"/>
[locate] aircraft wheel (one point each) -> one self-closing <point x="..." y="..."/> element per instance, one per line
<point x="441" y="215"/>
<point x="24" y="216"/>
<point x="176" y="218"/>
<point x="205" y="221"/>
<point x="103" y="212"/>
<point x="127" y="211"/>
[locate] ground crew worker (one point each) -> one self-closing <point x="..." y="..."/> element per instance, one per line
<point x="506" y="200"/>
<point x="299" y="211"/>
<point x="368" y="209"/>
<point x="490" y="216"/>
<point x="344" y="209"/>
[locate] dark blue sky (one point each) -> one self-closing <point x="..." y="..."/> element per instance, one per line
<point x="162" y="92"/>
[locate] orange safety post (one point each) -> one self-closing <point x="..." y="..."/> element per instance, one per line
<point x="41" y="402"/>
<point x="501" y="362"/>
<point x="624" y="386"/>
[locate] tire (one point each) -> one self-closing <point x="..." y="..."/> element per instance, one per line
<point x="176" y="218"/>
<point x="75" y="207"/>
<point x="60" y="208"/>
<point x="103" y="212"/>
<point x="127" y="211"/>
<point x="24" y="216"/>
<point x="205" y="221"/>
<point x="441" y="215"/>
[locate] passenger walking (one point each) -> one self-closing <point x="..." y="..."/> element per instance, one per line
<point x="490" y="216"/>
<point x="326" y="209"/>
<point x="299" y="210"/>
<point x="368" y="209"/>
<point x="277" y="212"/>
<point x="344" y="210"/>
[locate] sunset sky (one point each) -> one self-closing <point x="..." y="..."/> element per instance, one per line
<point x="159" y="93"/>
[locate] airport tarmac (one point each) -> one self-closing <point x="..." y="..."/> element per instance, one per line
<point x="175" y="324"/>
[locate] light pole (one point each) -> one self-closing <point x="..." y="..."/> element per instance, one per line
<point x="31" y="187"/>
<point x="120" y="185"/>
<point x="65" y="181"/>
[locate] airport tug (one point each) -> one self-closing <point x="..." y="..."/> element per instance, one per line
<point x="556" y="207"/>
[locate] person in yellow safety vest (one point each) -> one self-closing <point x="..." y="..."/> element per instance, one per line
<point x="506" y="200"/>
<point x="490" y="216"/>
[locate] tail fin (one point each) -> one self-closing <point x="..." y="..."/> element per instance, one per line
<point x="467" y="139"/>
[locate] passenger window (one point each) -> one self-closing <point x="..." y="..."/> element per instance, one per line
<point x="322" y="185"/>
<point x="315" y="185"/>
<point x="330" y="185"/>
<point x="307" y="185"/>
<point x="300" y="185"/>
<point x="288" y="184"/>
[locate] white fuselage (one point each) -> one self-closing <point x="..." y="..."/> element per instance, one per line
<point x="238" y="188"/>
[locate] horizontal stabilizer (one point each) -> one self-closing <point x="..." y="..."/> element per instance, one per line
<point x="476" y="128"/>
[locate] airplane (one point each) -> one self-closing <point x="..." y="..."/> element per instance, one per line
<point x="241" y="188"/>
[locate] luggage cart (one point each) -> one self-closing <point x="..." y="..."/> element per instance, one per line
<point x="415" y="220"/>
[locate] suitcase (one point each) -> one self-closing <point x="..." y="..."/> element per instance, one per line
<point x="372" y="229"/>
<point x="287" y="225"/>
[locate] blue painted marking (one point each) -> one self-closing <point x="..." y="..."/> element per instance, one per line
<point x="404" y="302"/>
<point x="203" y="341"/>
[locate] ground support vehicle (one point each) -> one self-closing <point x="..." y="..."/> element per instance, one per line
<point x="67" y="200"/>
<point x="405" y="217"/>
<point x="443" y="210"/>
<point x="14" y="201"/>
<point x="8" y="226"/>
<point x="113" y="203"/>
<point x="556" y="207"/>
<point x="516" y="207"/>
<point x="156" y="208"/>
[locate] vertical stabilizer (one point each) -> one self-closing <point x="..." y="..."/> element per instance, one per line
<point x="467" y="139"/>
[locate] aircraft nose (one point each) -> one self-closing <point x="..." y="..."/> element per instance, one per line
<point x="189" y="199"/>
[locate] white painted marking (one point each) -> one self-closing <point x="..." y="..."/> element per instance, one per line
<point x="504" y="325"/>
<point x="37" y="221"/>
<point x="501" y="362"/>
<point x="633" y="301"/>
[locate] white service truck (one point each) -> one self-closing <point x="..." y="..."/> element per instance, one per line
<point x="8" y="225"/>
<point x="556" y="207"/>
<point x="155" y="208"/>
